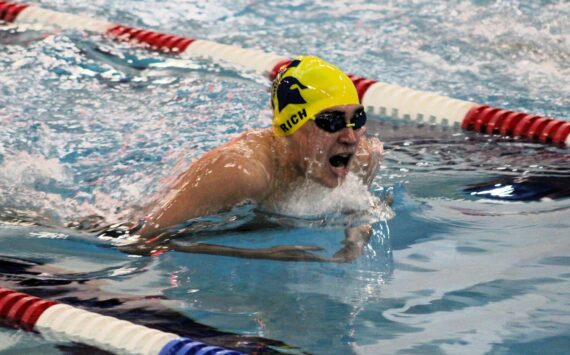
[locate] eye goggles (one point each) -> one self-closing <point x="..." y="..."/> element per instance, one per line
<point x="333" y="121"/>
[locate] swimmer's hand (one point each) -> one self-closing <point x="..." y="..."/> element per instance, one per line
<point x="354" y="242"/>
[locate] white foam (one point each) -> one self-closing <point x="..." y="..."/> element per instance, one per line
<point x="25" y="169"/>
<point x="25" y="178"/>
<point x="352" y="196"/>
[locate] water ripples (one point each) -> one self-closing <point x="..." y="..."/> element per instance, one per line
<point x="91" y="126"/>
<point x="114" y="116"/>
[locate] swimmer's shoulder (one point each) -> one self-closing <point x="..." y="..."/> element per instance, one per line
<point x="247" y="159"/>
<point x="254" y="138"/>
<point x="255" y="146"/>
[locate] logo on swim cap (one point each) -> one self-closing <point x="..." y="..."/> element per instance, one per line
<point x="305" y="87"/>
<point x="286" y="94"/>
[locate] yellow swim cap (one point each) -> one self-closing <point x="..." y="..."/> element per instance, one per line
<point x="305" y="87"/>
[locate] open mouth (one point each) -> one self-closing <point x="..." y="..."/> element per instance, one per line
<point x="340" y="160"/>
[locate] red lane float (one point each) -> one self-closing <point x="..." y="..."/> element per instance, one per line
<point x="156" y="40"/>
<point x="21" y="310"/>
<point x="361" y="84"/>
<point x="9" y="11"/>
<point x="378" y="98"/>
<point x="485" y="119"/>
<point x="60" y="322"/>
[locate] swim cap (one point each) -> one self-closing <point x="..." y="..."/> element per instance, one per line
<point x="305" y="87"/>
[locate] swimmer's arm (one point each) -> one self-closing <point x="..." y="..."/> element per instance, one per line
<point x="354" y="243"/>
<point x="163" y="243"/>
<point x="367" y="162"/>
<point x="282" y="253"/>
<point x="356" y="238"/>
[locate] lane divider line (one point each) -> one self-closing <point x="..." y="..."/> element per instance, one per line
<point x="59" y="322"/>
<point x="377" y="97"/>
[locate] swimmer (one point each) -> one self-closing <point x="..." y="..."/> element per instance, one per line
<point x="317" y="134"/>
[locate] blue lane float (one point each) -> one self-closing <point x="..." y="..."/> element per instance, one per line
<point x="185" y="346"/>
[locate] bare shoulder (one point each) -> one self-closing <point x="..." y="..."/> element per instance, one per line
<point x="233" y="173"/>
<point x="245" y="162"/>
<point x="252" y="148"/>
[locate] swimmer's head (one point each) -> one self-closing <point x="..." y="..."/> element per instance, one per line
<point x="305" y="87"/>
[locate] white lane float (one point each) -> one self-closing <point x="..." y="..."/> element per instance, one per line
<point x="63" y="323"/>
<point x="379" y="98"/>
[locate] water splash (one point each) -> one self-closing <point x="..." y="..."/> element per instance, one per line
<point x="351" y="203"/>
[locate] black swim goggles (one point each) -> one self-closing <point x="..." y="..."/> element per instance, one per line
<point x="333" y="121"/>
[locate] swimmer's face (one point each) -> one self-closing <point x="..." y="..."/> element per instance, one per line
<point x="324" y="156"/>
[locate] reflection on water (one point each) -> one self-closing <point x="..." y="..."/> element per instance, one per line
<point x="482" y="281"/>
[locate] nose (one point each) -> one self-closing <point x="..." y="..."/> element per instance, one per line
<point x="348" y="136"/>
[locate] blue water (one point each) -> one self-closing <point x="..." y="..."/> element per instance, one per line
<point x="89" y="126"/>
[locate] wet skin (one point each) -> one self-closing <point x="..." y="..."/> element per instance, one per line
<point x="260" y="167"/>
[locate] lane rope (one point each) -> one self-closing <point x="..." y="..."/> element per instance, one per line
<point x="59" y="322"/>
<point x="377" y="97"/>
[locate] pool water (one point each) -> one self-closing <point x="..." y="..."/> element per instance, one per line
<point x="476" y="258"/>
